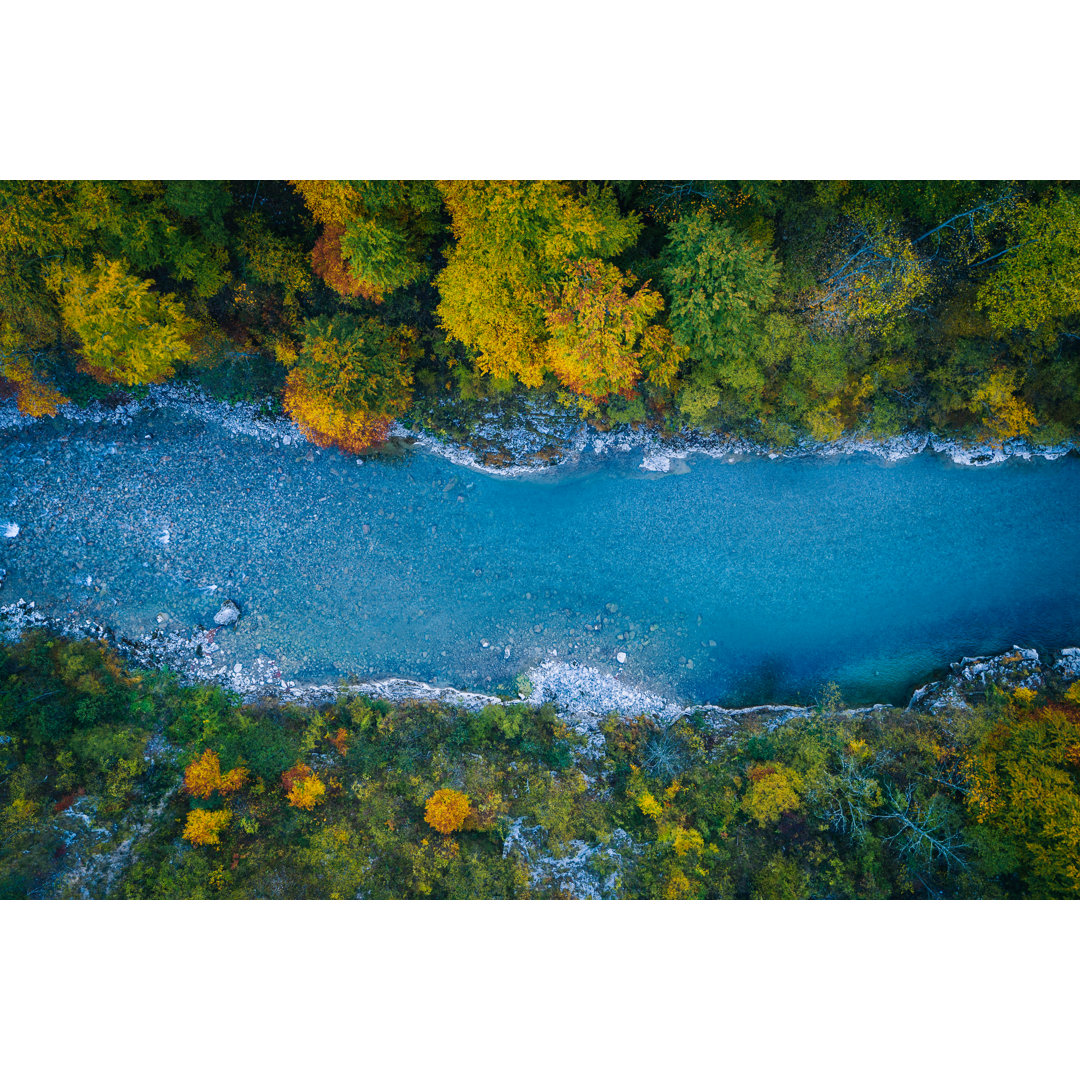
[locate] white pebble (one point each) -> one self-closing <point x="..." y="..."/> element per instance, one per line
<point x="621" y="657"/>
<point x="238" y="668"/>
<point x="11" y="530"/>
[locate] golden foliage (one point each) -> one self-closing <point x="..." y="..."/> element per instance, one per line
<point x="203" y="777"/>
<point x="516" y="240"/>
<point x="773" y="792"/>
<point x="307" y="793"/>
<point x="33" y="396"/>
<point x="1019" y="783"/>
<point x="1004" y="415"/>
<point x="649" y="805"/>
<point x="601" y="340"/>
<point x="447" y="810"/>
<point x="128" y="333"/>
<point x="348" y="380"/>
<point x="303" y="788"/>
<point x="325" y="423"/>
<point x="204" y="826"/>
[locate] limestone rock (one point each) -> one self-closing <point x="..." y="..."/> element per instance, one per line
<point x="227" y="614"/>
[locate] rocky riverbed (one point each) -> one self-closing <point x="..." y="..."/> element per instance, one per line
<point x="213" y="538"/>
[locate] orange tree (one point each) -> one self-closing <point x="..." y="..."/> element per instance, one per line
<point x="349" y="379"/>
<point x="375" y="232"/>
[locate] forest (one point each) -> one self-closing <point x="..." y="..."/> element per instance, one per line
<point x="117" y="782"/>
<point x="779" y="310"/>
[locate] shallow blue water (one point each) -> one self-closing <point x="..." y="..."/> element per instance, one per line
<point x="734" y="583"/>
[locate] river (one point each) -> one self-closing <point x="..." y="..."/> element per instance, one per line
<point x="733" y="583"/>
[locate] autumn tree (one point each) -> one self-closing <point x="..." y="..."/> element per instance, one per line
<point x="34" y="396"/>
<point x="1021" y="780"/>
<point x="872" y="278"/>
<point x="204" y="826"/>
<point x="349" y="379"/>
<point x="1001" y="410"/>
<point x="376" y="233"/>
<point x="128" y="333"/>
<point x="516" y="246"/>
<point x="303" y="788"/>
<point x="204" y="776"/>
<point x="447" y="810"/>
<point x="773" y="791"/>
<point x="602" y="338"/>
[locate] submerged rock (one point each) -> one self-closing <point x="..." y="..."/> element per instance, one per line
<point x="228" y="613"/>
<point x="11" y="530"/>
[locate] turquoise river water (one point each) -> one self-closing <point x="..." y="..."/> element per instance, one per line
<point x="732" y="583"/>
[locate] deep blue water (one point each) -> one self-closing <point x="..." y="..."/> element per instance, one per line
<point x="768" y="577"/>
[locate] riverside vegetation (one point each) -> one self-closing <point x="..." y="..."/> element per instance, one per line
<point x="128" y="784"/>
<point x="776" y="310"/>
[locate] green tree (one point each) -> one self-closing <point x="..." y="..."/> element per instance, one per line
<point x="1036" y="286"/>
<point x="721" y="284"/>
<point x="377" y="233"/>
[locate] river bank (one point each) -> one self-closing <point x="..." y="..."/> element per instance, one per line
<point x="539" y="437"/>
<point x="585" y="696"/>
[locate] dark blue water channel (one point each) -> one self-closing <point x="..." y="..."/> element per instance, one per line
<point x="733" y="583"/>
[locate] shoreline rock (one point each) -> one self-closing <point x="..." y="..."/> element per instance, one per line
<point x="584" y="695"/>
<point x="538" y="439"/>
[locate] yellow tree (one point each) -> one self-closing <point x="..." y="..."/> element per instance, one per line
<point x="1003" y="413"/>
<point x="447" y="810"/>
<point x="127" y="333"/>
<point x="303" y="788"/>
<point x="33" y="394"/>
<point x="204" y="776"/>
<point x="515" y="241"/>
<point x="1037" y="283"/>
<point x="1022" y="791"/>
<point x="602" y="337"/>
<point x="204" y="826"/>
<point x="773" y="791"/>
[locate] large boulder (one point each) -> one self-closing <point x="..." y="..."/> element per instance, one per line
<point x="228" y="614"/>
